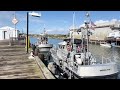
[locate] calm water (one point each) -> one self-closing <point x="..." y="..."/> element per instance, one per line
<point x="52" y="41"/>
<point x="96" y="50"/>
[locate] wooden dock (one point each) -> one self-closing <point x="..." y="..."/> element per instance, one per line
<point x="14" y="64"/>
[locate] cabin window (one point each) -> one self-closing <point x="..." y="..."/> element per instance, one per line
<point x="59" y="46"/>
<point x="63" y="47"/>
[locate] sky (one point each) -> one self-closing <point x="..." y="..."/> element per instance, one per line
<point x="55" y="22"/>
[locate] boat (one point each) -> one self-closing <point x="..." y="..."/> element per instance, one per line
<point x="106" y="45"/>
<point x="75" y="61"/>
<point x="42" y="44"/>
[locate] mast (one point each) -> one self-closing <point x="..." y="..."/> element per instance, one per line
<point x="73" y="25"/>
<point x="73" y="28"/>
<point x="82" y="31"/>
<point x="87" y="27"/>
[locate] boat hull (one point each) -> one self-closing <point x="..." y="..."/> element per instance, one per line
<point x="101" y="71"/>
<point x="97" y="70"/>
<point x="44" y="47"/>
<point x="111" y="76"/>
<point x="106" y="45"/>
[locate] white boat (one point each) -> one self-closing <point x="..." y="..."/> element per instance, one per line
<point x="42" y="44"/>
<point x="75" y="60"/>
<point x="106" y="45"/>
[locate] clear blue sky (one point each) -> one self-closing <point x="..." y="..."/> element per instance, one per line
<point x="56" y="22"/>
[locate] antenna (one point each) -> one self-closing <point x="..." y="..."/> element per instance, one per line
<point x="44" y="29"/>
<point x="73" y="26"/>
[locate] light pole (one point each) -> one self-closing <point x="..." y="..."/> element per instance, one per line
<point x="34" y="15"/>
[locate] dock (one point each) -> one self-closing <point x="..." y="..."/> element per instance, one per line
<point x="14" y="64"/>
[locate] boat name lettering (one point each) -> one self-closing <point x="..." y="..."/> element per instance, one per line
<point x="104" y="69"/>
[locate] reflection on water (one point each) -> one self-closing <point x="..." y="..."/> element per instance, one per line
<point x="97" y="50"/>
<point x="100" y="51"/>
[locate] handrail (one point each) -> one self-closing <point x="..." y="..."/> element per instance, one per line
<point x="107" y="60"/>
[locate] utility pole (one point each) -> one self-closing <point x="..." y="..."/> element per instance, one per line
<point x="27" y="30"/>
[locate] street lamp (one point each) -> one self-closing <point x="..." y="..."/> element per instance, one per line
<point x="34" y="15"/>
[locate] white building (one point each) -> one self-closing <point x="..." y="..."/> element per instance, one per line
<point x="74" y="34"/>
<point x="106" y="29"/>
<point x="114" y="34"/>
<point x="7" y="32"/>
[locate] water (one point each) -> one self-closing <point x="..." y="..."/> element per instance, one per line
<point x="52" y="41"/>
<point x="96" y="50"/>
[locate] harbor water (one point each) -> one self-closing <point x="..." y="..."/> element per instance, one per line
<point x="97" y="50"/>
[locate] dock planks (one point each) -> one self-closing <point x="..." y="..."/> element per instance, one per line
<point x="14" y="64"/>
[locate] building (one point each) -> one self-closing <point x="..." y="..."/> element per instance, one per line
<point x="76" y="34"/>
<point x="8" y="32"/>
<point x="103" y="30"/>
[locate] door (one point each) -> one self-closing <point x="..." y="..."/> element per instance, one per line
<point x="5" y="35"/>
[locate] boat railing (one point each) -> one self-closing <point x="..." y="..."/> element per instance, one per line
<point x="54" y="48"/>
<point x="107" y="60"/>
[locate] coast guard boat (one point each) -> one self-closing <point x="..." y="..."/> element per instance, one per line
<point x="73" y="58"/>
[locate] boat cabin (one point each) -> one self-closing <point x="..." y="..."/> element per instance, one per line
<point x="67" y="45"/>
<point x="62" y="45"/>
<point x="44" y="40"/>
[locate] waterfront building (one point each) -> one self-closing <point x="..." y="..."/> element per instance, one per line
<point x="107" y="29"/>
<point x="8" y="32"/>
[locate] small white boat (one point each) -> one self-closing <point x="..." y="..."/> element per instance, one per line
<point x="42" y="44"/>
<point x="106" y="45"/>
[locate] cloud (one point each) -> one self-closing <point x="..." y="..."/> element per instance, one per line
<point x="71" y="27"/>
<point x="82" y="25"/>
<point x="114" y="20"/>
<point x="57" y="31"/>
<point x="102" y="21"/>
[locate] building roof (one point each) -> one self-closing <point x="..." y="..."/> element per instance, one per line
<point x="115" y="23"/>
<point x="7" y="28"/>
